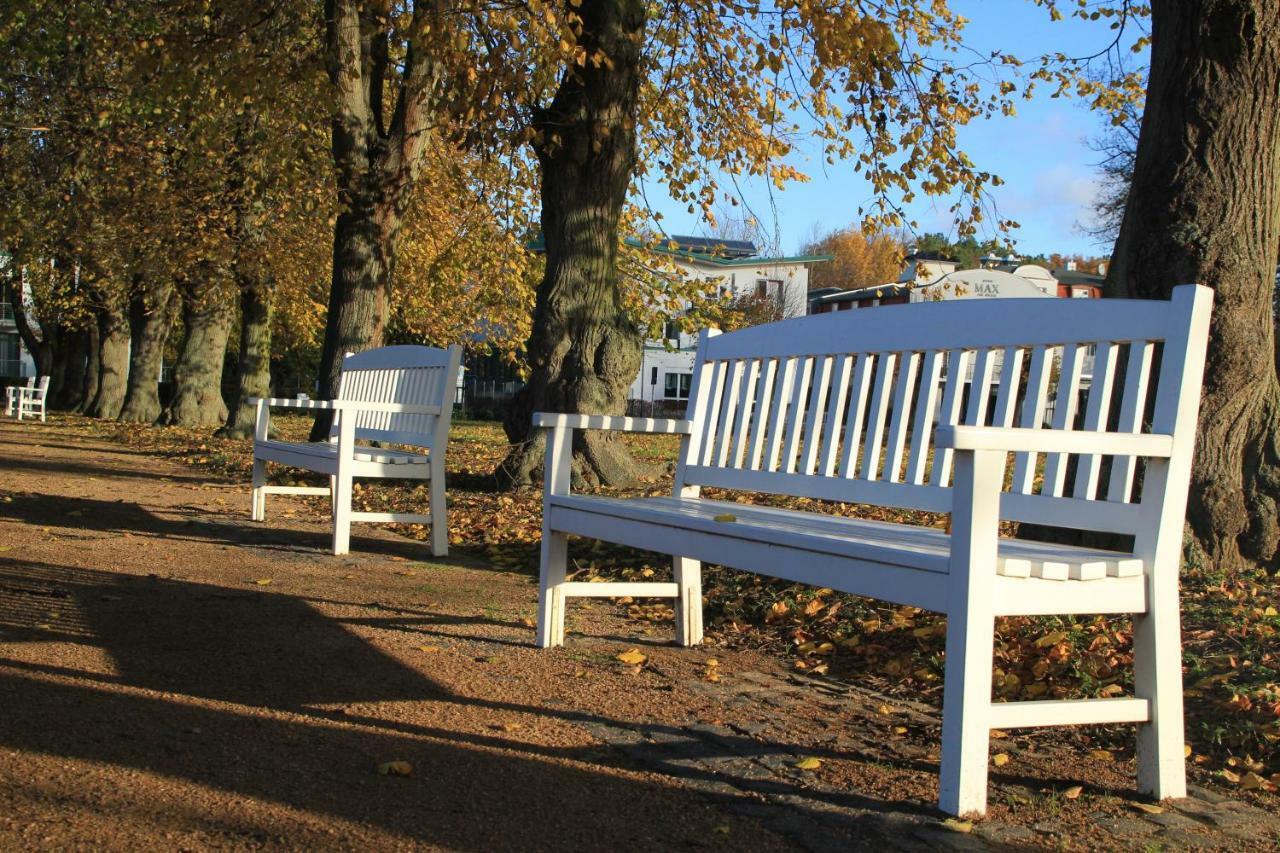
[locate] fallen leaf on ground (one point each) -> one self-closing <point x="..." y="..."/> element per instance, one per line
<point x="1000" y="759"/>
<point x="262" y="581"/>
<point x="1101" y="755"/>
<point x="956" y="825"/>
<point x="808" y="763"/>
<point x="632" y="657"/>
<point x="1073" y="792"/>
<point x="528" y="623"/>
<point x="1148" y="808"/>
<point x="395" y="768"/>
<point x="429" y="648"/>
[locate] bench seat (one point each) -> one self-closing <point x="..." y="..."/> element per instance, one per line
<point x="897" y="562"/>
<point x="325" y="455"/>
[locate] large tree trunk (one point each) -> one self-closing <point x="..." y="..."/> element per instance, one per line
<point x="384" y="115"/>
<point x="150" y="313"/>
<point x="584" y="350"/>
<point x="359" y="292"/>
<point x="1205" y="207"/>
<point x="70" y="367"/>
<point x="92" y="365"/>
<point x="113" y="360"/>
<point x="197" y="374"/>
<point x="253" y="369"/>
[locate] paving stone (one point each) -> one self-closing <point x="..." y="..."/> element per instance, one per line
<point x="1206" y="795"/>
<point x="1004" y="833"/>
<point x="1123" y="825"/>
<point x="1173" y="820"/>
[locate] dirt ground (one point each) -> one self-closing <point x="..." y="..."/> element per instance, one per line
<point x="173" y="675"/>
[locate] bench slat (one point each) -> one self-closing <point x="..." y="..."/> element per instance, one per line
<point x="1133" y="406"/>
<point x="902" y="392"/>
<point x="1033" y="408"/>
<point x="1097" y="409"/>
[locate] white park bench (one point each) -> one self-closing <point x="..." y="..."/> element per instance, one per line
<point x="785" y="408"/>
<point x="397" y="395"/>
<point x="29" y="400"/>
<point x="12" y="393"/>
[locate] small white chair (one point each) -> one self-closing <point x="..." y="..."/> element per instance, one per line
<point x="31" y="400"/>
<point x="12" y="393"/>
<point x="399" y="395"/>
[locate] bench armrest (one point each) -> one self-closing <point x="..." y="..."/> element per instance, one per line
<point x="347" y="405"/>
<point x="549" y="420"/>
<point x="1021" y="440"/>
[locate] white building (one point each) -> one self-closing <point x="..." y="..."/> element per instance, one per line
<point x="666" y="371"/>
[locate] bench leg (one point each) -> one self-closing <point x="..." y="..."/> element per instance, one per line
<point x="688" y="575"/>
<point x="966" y="698"/>
<point x="342" y="514"/>
<point x="555" y="555"/>
<point x="258" y="511"/>
<point x="966" y="695"/>
<point x="1157" y="662"/>
<point x="439" y="518"/>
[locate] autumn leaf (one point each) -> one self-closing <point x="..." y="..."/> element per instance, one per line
<point x="632" y="657"/>
<point x="725" y="517"/>
<point x="808" y="763"/>
<point x="1073" y="792"/>
<point x="263" y="582"/>
<point x="1000" y="759"/>
<point x="395" y="768"/>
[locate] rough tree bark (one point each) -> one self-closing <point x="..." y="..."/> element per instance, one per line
<point x="197" y="374"/>
<point x="150" y="315"/>
<point x="378" y="151"/>
<point x="584" y="350"/>
<point x="113" y="358"/>
<point x="253" y="368"/>
<point x="92" y="364"/>
<point x="71" y="362"/>
<point x="1205" y="207"/>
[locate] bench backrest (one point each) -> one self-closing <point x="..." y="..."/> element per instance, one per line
<point x="410" y="375"/>
<point x="42" y="388"/>
<point x="843" y="406"/>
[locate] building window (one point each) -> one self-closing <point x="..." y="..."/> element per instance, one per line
<point x="677" y="386"/>
<point x="671" y="331"/>
<point x="10" y="355"/>
<point x="768" y="288"/>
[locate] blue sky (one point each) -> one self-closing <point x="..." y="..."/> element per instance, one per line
<point x="1042" y="153"/>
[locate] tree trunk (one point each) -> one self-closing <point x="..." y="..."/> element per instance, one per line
<point x="70" y="367"/>
<point x="359" y="292"/>
<point x="197" y="374"/>
<point x="150" y="312"/>
<point x="92" y="365"/>
<point x="584" y="350"/>
<point x="253" y="368"/>
<point x="113" y="361"/>
<point x="384" y="114"/>
<point x="1205" y="207"/>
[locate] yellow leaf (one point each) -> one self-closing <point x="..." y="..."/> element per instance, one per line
<point x="808" y="763"/>
<point x="1101" y="755"/>
<point x="1073" y="792"/>
<point x="632" y="657"/>
<point x="1000" y="759"/>
<point x="428" y="648"/>
<point x="1148" y="808"/>
<point x="726" y="516"/>
<point x="1229" y="776"/>
<point x="1252" y="781"/>
<point x="528" y="623"/>
<point x="395" y="768"/>
<point x="262" y="581"/>
<point x="955" y="825"/>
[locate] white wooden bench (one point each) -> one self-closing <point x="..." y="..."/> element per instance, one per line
<point x="12" y="393"/>
<point x="870" y="407"/>
<point x="31" y="399"/>
<point x="397" y="395"/>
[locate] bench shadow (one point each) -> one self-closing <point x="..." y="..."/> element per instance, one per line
<point x="270" y="651"/>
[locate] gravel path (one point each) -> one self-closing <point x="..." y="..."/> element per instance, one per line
<point x="174" y="675"/>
